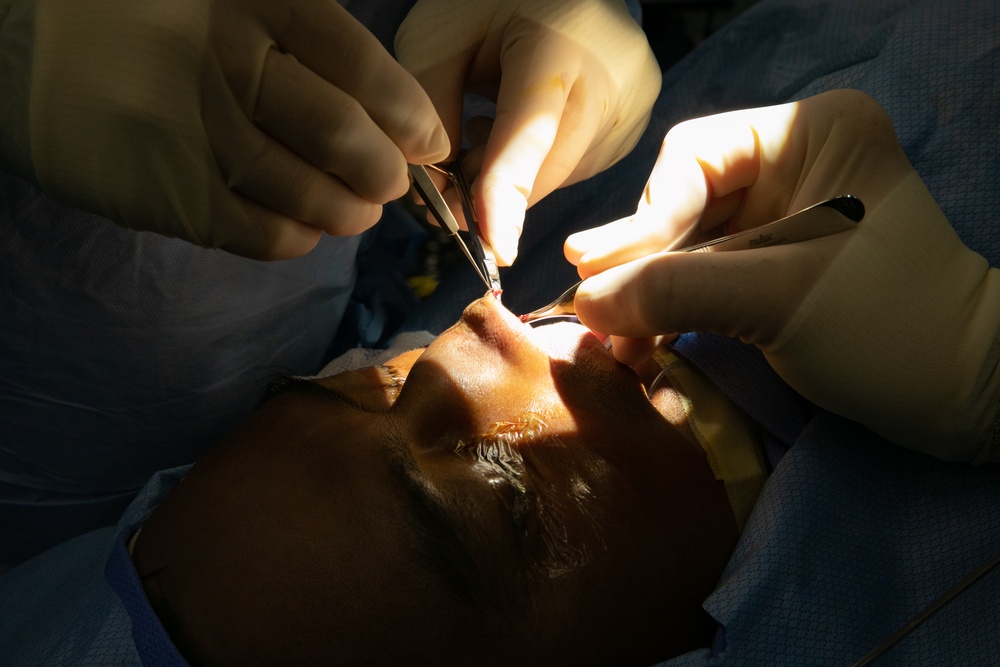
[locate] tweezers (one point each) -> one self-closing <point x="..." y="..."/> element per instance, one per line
<point x="481" y="254"/>
<point x="832" y="216"/>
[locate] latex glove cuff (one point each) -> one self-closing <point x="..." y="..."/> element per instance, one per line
<point x="924" y="371"/>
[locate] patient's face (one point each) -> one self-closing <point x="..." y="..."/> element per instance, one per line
<point x="507" y="486"/>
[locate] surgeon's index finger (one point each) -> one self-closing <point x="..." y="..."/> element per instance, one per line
<point x="672" y="203"/>
<point x="328" y="40"/>
<point x="749" y="294"/>
<point x="701" y="178"/>
<point x="531" y="105"/>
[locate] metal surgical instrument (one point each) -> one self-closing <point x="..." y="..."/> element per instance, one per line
<point x="823" y="219"/>
<point x="481" y="254"/>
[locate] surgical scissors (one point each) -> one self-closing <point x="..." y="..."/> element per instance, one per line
<point x="481" y="254"/>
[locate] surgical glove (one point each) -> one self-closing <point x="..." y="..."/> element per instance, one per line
<point x="574" y="82"/>
<point x="895" y="324"/>
<point x="248" y="125"/>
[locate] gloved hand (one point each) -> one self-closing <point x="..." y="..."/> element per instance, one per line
<point x="574" y="82"/>
<point x="895" y="324"/>
<point x="249" y="125"/>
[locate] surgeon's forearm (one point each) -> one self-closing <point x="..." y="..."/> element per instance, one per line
<point x="17" y="18"/>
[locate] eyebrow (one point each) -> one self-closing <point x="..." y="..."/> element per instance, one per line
<point x="444" y="542"/>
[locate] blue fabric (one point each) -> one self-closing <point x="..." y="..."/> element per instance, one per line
<point x="123" y="353"/>
<point x="851" y="538"/>
<point x="152" y="643"/>
<point x="65" y="607"/>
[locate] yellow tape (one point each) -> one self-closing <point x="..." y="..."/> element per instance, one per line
<point x="730" y="438"/>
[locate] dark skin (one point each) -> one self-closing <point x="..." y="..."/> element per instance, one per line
<point x="508" y="495"/>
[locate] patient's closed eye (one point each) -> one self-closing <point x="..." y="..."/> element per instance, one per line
<point x="498" y="454"/>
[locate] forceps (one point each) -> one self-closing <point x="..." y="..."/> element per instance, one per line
<point x="828" y="217"/>
<point x="481" y="254"/>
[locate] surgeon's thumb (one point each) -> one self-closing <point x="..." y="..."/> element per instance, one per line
<point x="748" y="294"/>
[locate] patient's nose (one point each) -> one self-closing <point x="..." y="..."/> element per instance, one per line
<point x="493" y="324"/>
<point x="488" y="309"/>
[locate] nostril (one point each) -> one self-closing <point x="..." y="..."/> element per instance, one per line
<point x="491" y="320"/>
